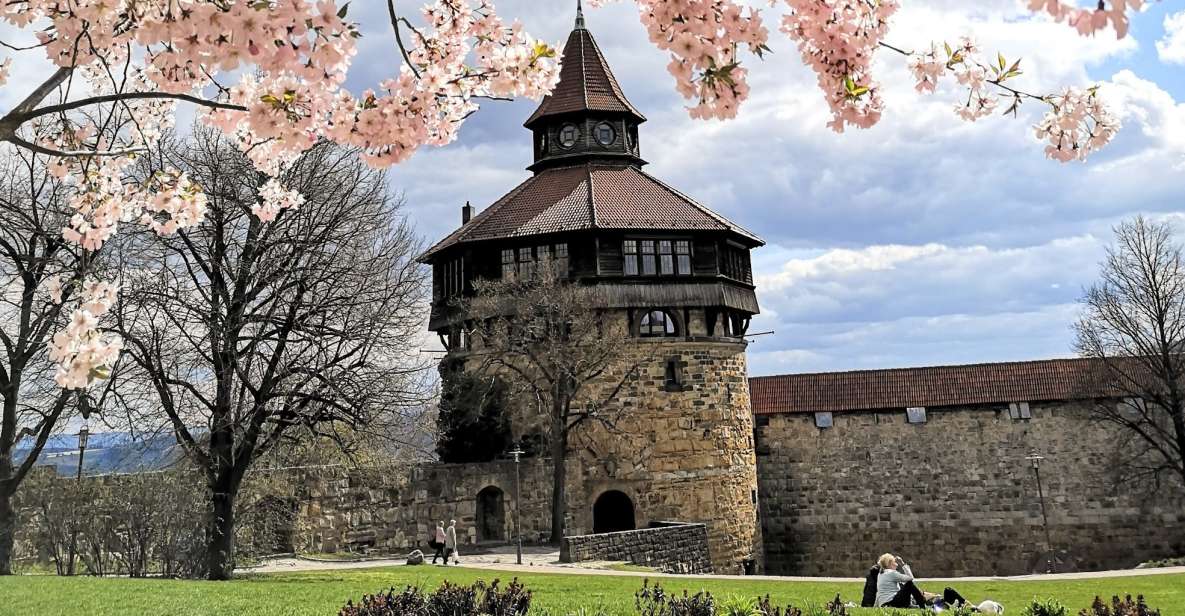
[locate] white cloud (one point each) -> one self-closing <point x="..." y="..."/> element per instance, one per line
<point x="884" y="305"/>
<point x="1171" y="48"/>
<point x="1160" y="120"/>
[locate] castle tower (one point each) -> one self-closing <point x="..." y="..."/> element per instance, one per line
<point x="676" y="275"/>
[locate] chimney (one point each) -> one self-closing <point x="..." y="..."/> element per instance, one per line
<point x="466" y="213"/>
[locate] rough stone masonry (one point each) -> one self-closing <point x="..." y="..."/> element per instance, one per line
<point x="954" y="495"/>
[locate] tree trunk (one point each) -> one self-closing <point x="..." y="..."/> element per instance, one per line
<point x="1179" y="429"/>
<point x="220" y="533"/>
<point x="559" y="480"/>
<point x="7" y="531"/>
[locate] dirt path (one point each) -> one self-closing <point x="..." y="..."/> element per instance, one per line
<point x="547" y="560"/>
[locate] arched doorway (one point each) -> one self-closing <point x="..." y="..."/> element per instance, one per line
<point x="491" y="515"/>
<point x="613" y="512"/>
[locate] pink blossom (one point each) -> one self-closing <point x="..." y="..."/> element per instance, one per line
<point x="1089" y="20"/>
<point x="1076" y="125"/>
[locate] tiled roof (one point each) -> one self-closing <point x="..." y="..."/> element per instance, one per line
<point x="589" y="196"/>
<point x="1029" y="381"/>
<point x="586" y="83"/>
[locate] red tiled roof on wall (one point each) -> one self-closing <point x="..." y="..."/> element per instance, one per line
<point x="1028" y="381"/>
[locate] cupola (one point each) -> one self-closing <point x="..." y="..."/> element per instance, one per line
<point x="587" y="116"/>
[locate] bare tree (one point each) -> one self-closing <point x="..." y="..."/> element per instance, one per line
<point x="32" y="213"/>
<point x="251" y="333"/>
<point x="560" y="353"/>
<point x="1133" y="324"/>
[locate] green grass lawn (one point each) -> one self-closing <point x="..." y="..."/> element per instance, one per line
<point x="322" y="593"/>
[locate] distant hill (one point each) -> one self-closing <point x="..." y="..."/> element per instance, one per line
<point x="107" y="452"/>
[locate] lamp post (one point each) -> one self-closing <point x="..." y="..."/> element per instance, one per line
<point x="1035" y="460"/>
<point x="72" y="550"/>
<point x="84" y="434"/>
<point x="518" y="537"/>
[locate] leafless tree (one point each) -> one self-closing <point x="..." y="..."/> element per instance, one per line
<point x="32" y="213"/>
<point x="564" y="357"/>
<point x="248" y="333"/>
<point x="1133" y="325"/>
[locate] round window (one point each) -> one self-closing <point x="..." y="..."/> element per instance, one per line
<point x="605" y="133"/>
<point x="568" y="135"/>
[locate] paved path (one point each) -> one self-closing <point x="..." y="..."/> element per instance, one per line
<point x="546" y="560"/>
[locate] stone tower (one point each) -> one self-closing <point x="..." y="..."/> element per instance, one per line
<point x="676" y="275"/>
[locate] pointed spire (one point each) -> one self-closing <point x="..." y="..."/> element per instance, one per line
<point x="586" y="82"/>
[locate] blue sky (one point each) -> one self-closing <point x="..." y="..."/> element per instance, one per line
<point x="925" y="240"/>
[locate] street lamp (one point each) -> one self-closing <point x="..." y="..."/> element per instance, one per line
<point x="84" y="434"/>
<point x="1035" y="460"/>
<point x="518" y="538"/>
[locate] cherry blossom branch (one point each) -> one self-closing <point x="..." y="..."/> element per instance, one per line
<point x="40" y="149"/>
<point x="1088" y="21"/>
<point x="1076" y="124"/>
<point x="399" y="38"/>
<point x="119" y="97"/>
<point x="8" y="45"/>
<point x="995" y="82"/>
<point x="37" y="95"/>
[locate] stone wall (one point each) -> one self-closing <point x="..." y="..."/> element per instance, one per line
<point x="678" y="453"/>
<point x="672" y="547"/>
<point x="394" y="511"/>
<point x="954" y="495"/>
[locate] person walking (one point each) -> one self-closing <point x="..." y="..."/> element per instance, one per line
<point x="438" y="543"/>
<point x="450" y="542"/>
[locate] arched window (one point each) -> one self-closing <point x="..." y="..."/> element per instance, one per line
<point x="656" y="323"/>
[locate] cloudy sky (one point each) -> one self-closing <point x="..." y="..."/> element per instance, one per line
<point x="925" y="240"/>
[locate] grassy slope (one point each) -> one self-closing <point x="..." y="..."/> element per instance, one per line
<point x="322" y="593"/>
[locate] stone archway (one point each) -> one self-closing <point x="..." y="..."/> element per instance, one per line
<point x="612" y="512"/>
<point x="491" y="514"/>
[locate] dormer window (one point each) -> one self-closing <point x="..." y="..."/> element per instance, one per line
<point x="606" y="135"/>
<point x="568" y="135"/>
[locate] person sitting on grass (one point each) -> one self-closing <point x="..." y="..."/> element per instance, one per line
<point x="895" y="586"/>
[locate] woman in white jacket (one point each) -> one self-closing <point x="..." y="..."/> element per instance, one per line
<point x="895" y="586"/>
<point x="450" y="543"/>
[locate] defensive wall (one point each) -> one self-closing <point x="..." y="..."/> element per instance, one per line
<point x="950" y="486"/>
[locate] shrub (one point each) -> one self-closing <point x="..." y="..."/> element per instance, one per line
<point x="654" y="601"/>
<point x="1127" y="607"/>
<point x="515" y="600"/>
<point x="736" y="605"/>
<point x="766" y="609"/>
<point x="836" y="607"/>
<point x="1049" y="607"/>
<point x="408" y="602"/>
<point x="478" y="599"/>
